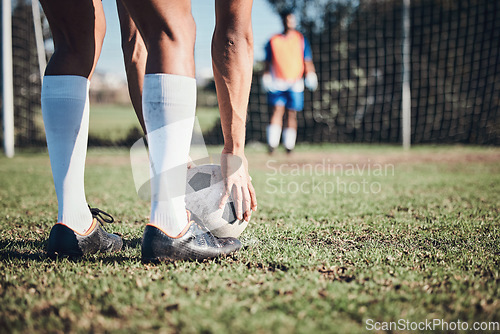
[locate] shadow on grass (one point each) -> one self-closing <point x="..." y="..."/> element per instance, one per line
<point x="34" y="250"/>
<point x="132" y="243"/>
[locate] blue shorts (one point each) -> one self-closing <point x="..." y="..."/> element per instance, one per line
<point x="288" y="98"/>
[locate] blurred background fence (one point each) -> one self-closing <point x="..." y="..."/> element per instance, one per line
<point x="26" y="78"/>
<point x="357" y="50"/>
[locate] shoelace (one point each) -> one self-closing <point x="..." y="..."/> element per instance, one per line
<point x="206" y="233"/>
<point x="101" y="216"/>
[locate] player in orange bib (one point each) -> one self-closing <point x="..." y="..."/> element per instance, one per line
<point x="288" y="60"/>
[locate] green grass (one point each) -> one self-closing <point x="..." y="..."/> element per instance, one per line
<point x="207" y="117"/>
<point x="114" y="122"/>
<point x="427" y="246"/>
<point x="111" y="122"/>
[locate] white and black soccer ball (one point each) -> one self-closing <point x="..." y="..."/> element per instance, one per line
<point x="204" y="188"/>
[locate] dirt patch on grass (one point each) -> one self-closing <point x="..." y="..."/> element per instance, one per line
<point x="451" y="156"/>
<point x="109" y="160"/>
<point x="261" y="160"/>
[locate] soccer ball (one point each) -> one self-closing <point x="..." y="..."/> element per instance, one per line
<point x="204" y="188"/>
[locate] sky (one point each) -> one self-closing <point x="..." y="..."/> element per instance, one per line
<point x="265" y="24"/>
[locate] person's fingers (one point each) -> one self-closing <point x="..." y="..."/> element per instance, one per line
<point x="224" y="199"/>
<point x="239" y="203"/>
<point x="247" y="215"/>
<point x="247" y="204"/>
<point x="253" y="196"/>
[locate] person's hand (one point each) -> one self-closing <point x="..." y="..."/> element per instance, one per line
<point x="311" y="81"/>
<point x="238" y="182"/>
<point x="267" y="82"/>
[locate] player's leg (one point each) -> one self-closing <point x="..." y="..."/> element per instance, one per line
<point x="134" y="56"/>
<point x="78" y="29"/>
<point x="275" y="125"/>
<point x="295" y="102"/>
<point x="169" y="100"/>
<point x="168" y="30"/>
<point x="290" y="130"/>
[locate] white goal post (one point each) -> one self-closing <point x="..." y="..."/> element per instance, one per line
<point x="406" y="89"/>
<point x="8" y="107"/>
<point x="7" y="80"/>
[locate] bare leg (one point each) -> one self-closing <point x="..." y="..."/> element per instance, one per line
<point x="291" y="121"/>
<point x="78" y="29"/>
<point x="134" y="56"/>
<point x="277" y="116"/>
<point x="232" y="60"/>
<point x="290" y="131"/>
<point x="273" y="130"/>
<point x="169" y="32"/>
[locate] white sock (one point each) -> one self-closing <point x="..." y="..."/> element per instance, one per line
<point x="273" y="135"/>
<point x="65" y="111"/>
<point x="169" y="104"/>
<point x="289" y="138"/>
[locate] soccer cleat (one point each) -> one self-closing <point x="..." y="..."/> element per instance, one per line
<point x="63" y="241"/>
<point x="194" y="243"/>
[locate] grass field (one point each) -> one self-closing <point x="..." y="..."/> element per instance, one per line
<point x="114" y="122"/>
<point x="321" y="254"/>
